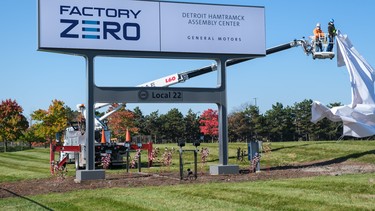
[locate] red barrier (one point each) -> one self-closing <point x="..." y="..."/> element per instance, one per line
<point x="147" y="147"/>
<point x="55" y="148"/>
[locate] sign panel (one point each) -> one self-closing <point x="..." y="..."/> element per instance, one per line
<point x="149" y="26"/>
<point x="99" y="25"/>
<point x="161" y="96"/>
<point x="212" y="29"/>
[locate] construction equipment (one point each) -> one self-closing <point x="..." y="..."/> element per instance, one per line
<point x="73" y="147"/>
<point x="321" y="54"/>
<point x="307" y="47"/>
<point x="74" y="140"/>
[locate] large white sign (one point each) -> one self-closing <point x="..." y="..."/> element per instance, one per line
<point x="151" y="26"/>
<point x="212" y="29"/>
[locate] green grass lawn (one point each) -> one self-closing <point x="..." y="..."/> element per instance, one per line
<point x="286" y="153"/>
<point x="346" y="192"/>
<point x="22" y="165"/>
<point x="34" y="163"/>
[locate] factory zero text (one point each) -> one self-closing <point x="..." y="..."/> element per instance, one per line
<point x="91" y="28"/>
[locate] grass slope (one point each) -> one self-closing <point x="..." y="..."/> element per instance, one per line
<point x="347" y="192"/>
<point x="21" y="165"/>
<point x="32" y="164"/>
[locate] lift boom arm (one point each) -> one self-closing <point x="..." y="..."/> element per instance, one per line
<point x="181" y="77"/>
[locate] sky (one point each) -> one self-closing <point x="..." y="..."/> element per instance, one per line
<point x="34" y="78"/>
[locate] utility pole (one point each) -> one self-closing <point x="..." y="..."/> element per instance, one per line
<point x="255" y="100"/>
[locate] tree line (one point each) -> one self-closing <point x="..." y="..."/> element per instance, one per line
<point x="280" y="123"/>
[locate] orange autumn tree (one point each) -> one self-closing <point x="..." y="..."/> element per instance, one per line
<point x="121" y="120"/>
<point x="12" y="122"/>
<point x="52" y="121"/>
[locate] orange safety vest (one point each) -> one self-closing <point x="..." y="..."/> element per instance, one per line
<point x="318" y="33"/>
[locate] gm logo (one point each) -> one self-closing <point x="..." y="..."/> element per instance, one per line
<point x="95" y="29"/>
<point x="143" y="95"/>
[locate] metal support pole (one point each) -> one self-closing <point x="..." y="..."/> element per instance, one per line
<point x="181" y="165"/>
<point x="223" y="167"/>
<point x="127" y="160"/>
<point x="223" y="122"/>
<point x="196" y="163"/>
<point x="89" y="151"/>
<point x="139" y="161"/>
<point x="52" y="158"/>
<point x="90" y="127"/>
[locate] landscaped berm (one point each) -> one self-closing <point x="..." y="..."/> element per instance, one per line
<point x="294" y="176"/>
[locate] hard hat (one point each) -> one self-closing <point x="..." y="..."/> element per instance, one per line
<point x="331" y="20"/>
<point x="318" y="25"/>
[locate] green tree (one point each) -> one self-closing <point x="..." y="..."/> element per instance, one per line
<point x="139" y="121"/>
<point x="246" y="123"/>
<point x="254" y="120"/>
<point x="192" y="131"/>
<point x="302" y="113"/>
<point x="31" y="136"/>
<point x="279" y="121"/>
<point x="52" y="121"/>
<point x="12" y="122"/>
<point x="173" y="126"/>
<point x="153" y="125"/>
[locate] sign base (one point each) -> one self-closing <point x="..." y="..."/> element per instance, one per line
<point x="82" y="175"/>
<point x="224" y="169"/>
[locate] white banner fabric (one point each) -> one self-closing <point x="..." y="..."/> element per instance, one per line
<point x="359" y="117"/>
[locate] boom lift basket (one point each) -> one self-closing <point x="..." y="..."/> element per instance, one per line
<point x="324" y="54"/>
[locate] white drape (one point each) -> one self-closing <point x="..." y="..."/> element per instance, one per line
<point x="359" y="117"/>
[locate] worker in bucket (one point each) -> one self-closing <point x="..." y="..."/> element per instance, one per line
<point x="318" y="37"/>
<point x="331" y="34"/>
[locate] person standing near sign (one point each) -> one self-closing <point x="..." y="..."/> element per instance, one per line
<point x="331" y="35"/>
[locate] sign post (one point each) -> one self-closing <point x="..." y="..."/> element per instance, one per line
<point x="93" y="28"/>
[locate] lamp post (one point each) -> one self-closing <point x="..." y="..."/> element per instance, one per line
<point x="196" y="144"/>
<point x="181" y="144"/>
<point x="255" y="101"/>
